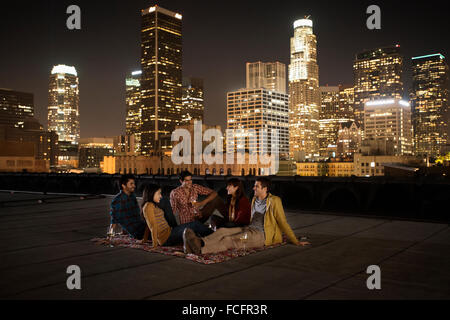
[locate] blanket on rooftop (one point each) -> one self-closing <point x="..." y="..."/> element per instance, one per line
<point x="211" y="258"/>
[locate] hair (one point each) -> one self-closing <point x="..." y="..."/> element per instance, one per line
<point x="124" y="179"/>
<point x="239" y="192"/>
<point x="185" y="174"/>
<point x="148" y="195"/>
<point x="265" y="182"/>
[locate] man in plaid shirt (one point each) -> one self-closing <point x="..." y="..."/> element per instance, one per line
<point x="184" y="201"/>
<point x="125" y="209"/>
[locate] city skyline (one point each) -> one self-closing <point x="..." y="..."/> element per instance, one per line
<point x="100" y="92"/>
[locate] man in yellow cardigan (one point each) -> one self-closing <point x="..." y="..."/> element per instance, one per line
<point x="268" y="223"/>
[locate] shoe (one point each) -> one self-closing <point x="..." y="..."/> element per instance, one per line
<point x="192" y="241"/>
<point x="186" y="248"/>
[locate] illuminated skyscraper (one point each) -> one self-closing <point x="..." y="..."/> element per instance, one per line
<point x="304" y="103"/>
<point x="334" y="111"/>
<point x="134" y="110"/>
<point x="378" y="75"/>
<point x="268" y="75"/>
<point x="388" y="127"/>
<point x="193" y="100"/>
<point x="429" y="99"/>
<point x="15" y="107"/>
<point x="161" y="80"/>
<point x="260" y="109"/>
<point x="63" y="101"/>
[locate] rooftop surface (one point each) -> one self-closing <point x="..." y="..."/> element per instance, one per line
<point x="40" y="240"/>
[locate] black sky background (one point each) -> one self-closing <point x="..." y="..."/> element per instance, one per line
<point x="219" y="37"/>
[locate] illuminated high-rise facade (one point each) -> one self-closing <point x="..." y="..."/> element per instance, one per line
<point x="378" y="75"/>
<point x="260" y="109"/>
<point x="15" y="107"/>
<point x="304" y="93"/>
<point x="388" y="127"/>
<point x="63" y="104"/>
<point x="267" y="75"/>
<point x="429" y="99"/>
<point x="133" y="120"/>
<point x="161" y="79"/>
<point x="334" y="111"/>
<point x="193" y="100"/>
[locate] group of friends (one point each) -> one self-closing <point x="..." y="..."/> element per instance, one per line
<point x="207" y="226"/>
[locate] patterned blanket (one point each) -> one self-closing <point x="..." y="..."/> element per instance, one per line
<point x="211" y="258"/>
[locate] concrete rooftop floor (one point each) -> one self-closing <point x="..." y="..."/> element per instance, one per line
<point x="39" y="241"/>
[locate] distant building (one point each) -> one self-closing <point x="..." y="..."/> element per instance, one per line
<point x="193" y="100"/>
<point x="18" y="156"/>
<point x="312" y="169"/>
<point x="373" y="165"/>
<point x="161" y="79"/>
<point x="125" y="145"/>
<point x="334" y="111"/>
<point x="163" y="165"/>
<point x="45" y="142"/>
<point x="388" y="128"/>
<point x="93" y="150"/>
<point x="349" y="140"/>
<point x="340" y="169"/>
<point x="267" y="75"/>
<point x="15" y="107"/>
<point x="304" y="93"/>
<point x="134" y="118"/>
<point x="378" y="75"/>
<point x="260" y="109"/>
<point x="430" y="104"/>
<point x="63" y="104"/>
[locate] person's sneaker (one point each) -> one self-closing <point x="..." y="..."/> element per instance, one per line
<point x="186" y="247"/>
<point x="192" y="241"/>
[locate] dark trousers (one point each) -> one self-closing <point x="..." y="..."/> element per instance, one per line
<point x="208" y="209"/>
<point x="176" y="236"/>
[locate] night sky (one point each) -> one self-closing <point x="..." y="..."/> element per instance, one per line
<point x="219" y="37"/>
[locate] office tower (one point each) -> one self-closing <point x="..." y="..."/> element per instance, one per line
<point x="63" y="101"/>
<point x="134" y="111"/>
<point x="45" y="143"/>
<point x="193" y="100"/>
<point x="260" y="109"/>
<point x="161" y="79"/>
<point x="378" y="75"/>
<point x="93" y="150"/>
<point x="347" y="101"/>
<point x="429" y="99"/>
<point x="333" y="112"/>
<point x="267" y="75"/>
<point x="349" y="139"/>
<point x="388" y="127"/>
<point x="304" y="93"/>
<point x="15" y="107"/>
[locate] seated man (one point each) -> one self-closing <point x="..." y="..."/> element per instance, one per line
<point x="125" y="209"/>
<point x="184" y="201"/>
<point x="268" y="222"/>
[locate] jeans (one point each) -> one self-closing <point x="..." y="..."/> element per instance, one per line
<point x="176" y="236"/>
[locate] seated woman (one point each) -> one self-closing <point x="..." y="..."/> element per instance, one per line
<point x="238" y="207"/>
<point x="162" y="233"/>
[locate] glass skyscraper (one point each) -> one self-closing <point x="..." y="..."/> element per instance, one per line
<point x="161" y="79"/>
<point x="133" y="120"/>
<point x="15" y="107"/>
<point x="63" y="104"/>
<point x="378" y="75"/>
<point x="304" y="103"/>
<point x="193" y="100"/>
<point x="429" y="99"/>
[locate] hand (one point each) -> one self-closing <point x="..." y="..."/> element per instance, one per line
<point x="197" y="204"/>
<point x="303" y="243"/>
